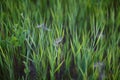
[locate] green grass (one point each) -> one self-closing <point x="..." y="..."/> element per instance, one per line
<point x="88" y="34"/>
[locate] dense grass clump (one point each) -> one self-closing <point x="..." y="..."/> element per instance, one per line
<point x="59" y="39"/>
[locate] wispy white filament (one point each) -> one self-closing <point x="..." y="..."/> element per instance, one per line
<point x="43" y="26"/>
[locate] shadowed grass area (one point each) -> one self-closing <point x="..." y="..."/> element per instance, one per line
<point x="59" y="39"/>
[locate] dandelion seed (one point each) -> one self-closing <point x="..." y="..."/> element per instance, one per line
<point x="22" y="15"/>
<point x="58" y="41"/>
<point x="100" y="66"/>
<point x="43" y="26"/>
<point x="101" y="36"/>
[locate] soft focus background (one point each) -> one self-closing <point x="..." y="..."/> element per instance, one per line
<point x="59" y="39"/>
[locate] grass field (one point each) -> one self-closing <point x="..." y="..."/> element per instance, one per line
<point x="59" y="39"/>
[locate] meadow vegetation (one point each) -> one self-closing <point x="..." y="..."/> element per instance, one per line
<point x="59" y="39"/>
